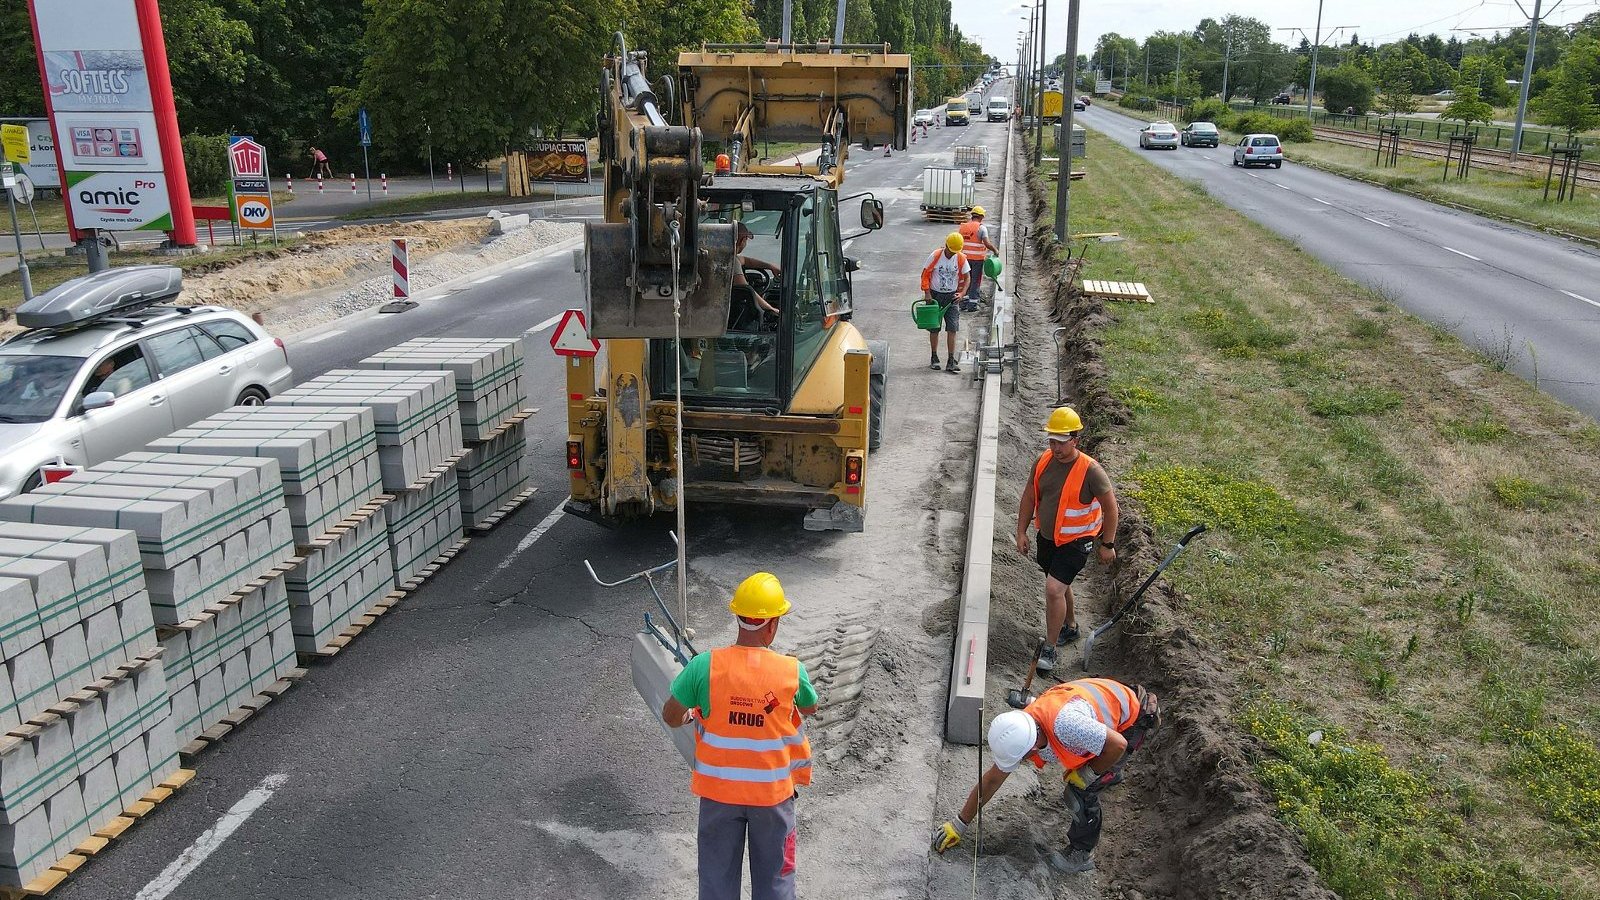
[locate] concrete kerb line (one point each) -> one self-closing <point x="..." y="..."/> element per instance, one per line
<point x="963" y="720"/>
<point x="443" y="288"/>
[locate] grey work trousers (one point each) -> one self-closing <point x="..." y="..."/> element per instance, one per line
<point x="724" y="830"/>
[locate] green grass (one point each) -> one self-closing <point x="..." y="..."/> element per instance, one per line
<point x="1497" y="193"/>
<point x="1401" y="558"/>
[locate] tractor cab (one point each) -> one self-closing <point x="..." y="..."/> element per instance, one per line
<point x="779" y="322"/>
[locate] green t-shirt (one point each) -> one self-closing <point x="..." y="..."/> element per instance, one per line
<point x="692" y="687"/>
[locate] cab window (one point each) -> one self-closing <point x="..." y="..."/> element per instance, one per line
<point x="813" y="273"/>
<point x="178" y="350"/>
<point x="121" y="373"/>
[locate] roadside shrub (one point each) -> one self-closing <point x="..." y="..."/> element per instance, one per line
<point x="1560" y="767"/>
<point x="1132" y="102"/>
<point x="1295" y="131"/>
<point x="1210" y="110"/>
<point x="1256" y="123"/>
<point x="205" y="156"/>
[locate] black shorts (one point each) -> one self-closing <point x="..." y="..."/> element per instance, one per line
<point x="1063" y="563"/>
<point x="952" y="311"/>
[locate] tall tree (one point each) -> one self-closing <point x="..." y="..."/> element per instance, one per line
<point x="1572" y="101"/>
<point x="1466" y="107"/>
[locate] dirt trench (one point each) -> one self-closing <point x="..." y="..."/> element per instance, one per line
<point x="1190" y="821"/>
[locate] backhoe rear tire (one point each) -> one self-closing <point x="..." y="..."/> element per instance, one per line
<point x="880" y="398"/>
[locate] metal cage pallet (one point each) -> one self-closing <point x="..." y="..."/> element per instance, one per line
<point x="100" y="840"/>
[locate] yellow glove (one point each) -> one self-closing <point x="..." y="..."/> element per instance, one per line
<point x="1082" y="777"/>
<point x="948" y="835"/>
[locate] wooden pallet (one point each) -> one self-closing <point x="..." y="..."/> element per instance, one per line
<point x="955" y="216"/>
<point x="1131" y="291"/>
<point x="101" y="839"/>
<point x="369" y="618"/>
<point x="332" y="535"/>
<point x="496" y="517"/>
<point x="239" y="716"/>
<point x="210" y="612"/>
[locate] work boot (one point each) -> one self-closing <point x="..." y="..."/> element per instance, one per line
<point x="1073" y="862"/>
<point x="1047" y="660"/>
<point x="934" y="362"/>
<point x="952" y="365"/>
<point x="1069" y="633"/>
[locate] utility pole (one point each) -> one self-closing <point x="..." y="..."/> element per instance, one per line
<point x="1315" y="43"/>
<point x="1227" y="54"/>
<point x="838" y="24"/>
<point x="1064" y="145"/>
<point x="1177" y="75"/>
<point x="1527" y="73"/>
<point x="1038" y="118"/>
<point x="1147" y="64"/>
<point x="788" y="21"/>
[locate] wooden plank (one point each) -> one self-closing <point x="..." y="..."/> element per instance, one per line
<point x="45" y="883"/>
<point x="91" y="846"/>
<point x="139" y="809"/>
<point x="69" y="863"/>
<point x="178" y="779"/>
<point x="114" y="828"/>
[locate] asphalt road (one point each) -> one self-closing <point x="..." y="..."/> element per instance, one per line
<point x="484" y="739"/>
<point x="1489" y="283"/>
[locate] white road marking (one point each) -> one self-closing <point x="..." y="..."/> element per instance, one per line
<point x="1459" y="253"/>
<point x="1287" y="188"/>
<point x="206" y="844"/>
<point x="1595" y="303"/>
<point x="1252" y="175"/>
<point x="486" y="279"/>
<point x="538" y="531"/>
<point x="548" y="323"/>
<point x="1322" y="201"/>
<point x="846" y="245"/>
<point x="1376" y="222"/>
<point x="520" y="266"/>
<point x="322" y="337"/>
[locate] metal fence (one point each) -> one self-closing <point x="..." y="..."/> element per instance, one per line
<point x="1494" y="137"/>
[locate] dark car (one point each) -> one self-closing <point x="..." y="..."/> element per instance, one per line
<point x="1198" y="134"/>
<point x="1283" y="98"/>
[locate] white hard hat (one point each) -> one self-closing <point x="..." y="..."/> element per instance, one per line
<point x="1011" y="737"/>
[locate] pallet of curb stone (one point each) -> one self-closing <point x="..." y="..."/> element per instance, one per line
<point x="1132" y="291"/>
<point x="64" y="868"/>
<point x="435" y="473"/>
<point x="389" y="601"/>
<point x="330" y="536"/>
<point x="499" y="515"/>
<point x="225" y="726"/>
<point x="513" y="421"/>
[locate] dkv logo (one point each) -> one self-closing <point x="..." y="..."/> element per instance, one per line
<point x="255" y="212"/>
<point x="116" y="200"/>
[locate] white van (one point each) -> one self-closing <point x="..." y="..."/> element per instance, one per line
<point x="999" y="109"/>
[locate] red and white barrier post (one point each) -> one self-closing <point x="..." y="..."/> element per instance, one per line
<point x="352" y="182"/>
<point x="289" y="180"/>
<point x="449" y="172"/>
<point x="319" y="182"/>
<point x="384" y="177"/>
<point x="400" y="259"/>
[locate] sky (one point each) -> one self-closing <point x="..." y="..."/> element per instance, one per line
<point x="1376" y="21"/>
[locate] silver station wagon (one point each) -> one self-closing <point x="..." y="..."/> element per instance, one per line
<point x="105" y="368"/>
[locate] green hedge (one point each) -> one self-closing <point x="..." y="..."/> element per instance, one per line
<point x="1290" y="131"/>
<point x="1132" y="102"/>
<point x="205" y="156"/>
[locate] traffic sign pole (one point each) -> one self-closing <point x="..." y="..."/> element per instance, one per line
<point x="16" y="231"/>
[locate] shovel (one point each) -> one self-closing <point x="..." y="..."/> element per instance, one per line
<point x="1088" y="644"/>
<point x="1020" y="699"/>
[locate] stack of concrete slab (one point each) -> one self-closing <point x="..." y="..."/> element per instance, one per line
<point x="492" y="475"/>
<point x="219" y="660"/>
<point x="488" y="375"/>
<point x="82" y="697"/>
<point x="341" y="580"/>
<point x="423" y="524"/>
<point x="416" y="415"/>
<point x="203" y="532"/>
<point x="327" y="456"/>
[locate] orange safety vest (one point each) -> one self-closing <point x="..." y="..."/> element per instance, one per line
<point x="1072" y="522"/>
<point x="750" y="747"/>
<point x="1114" y="703"/>
<point x="972" y="246"/>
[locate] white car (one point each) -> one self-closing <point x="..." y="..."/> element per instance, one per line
<point x="104" y="371"/>
<point x="1158" y="134"/>
<point x="924" y="117"/>
<point x="1258" y="150"/>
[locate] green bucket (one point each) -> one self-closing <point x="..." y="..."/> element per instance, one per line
<point x="927" y="314"/>
<point x="991" y="266"/>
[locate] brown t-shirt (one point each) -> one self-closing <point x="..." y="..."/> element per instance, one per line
<point x="1053" y="480"/>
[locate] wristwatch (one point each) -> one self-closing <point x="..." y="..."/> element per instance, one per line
<point x="1109" y="545"/>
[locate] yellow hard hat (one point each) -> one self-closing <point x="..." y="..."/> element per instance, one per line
<point x="759" y="597"/>
<point x="1063" y="421"/>
<point x="978" y="211"/>
<point x="954" y="241"/>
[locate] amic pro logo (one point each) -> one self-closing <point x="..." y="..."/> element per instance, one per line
<point x="119" y="200"/>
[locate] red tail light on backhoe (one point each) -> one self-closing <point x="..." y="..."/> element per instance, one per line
<point x="575" y="456"/>
<point x="852" y="470"/>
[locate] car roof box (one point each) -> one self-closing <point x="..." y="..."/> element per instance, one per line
<point x="83" y="300"/>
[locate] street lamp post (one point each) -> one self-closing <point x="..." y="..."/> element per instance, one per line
<point x="1316" y="42"/>
<point x="1038" y="117"/>
<point x="1064" y="144"/>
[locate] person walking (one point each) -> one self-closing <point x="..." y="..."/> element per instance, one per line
<point x="976" y="247"/>
<point x="319" y="164"/>
<point x="944" y="279"/>
<point x="1069" y="500"/>
<point x="750" y="747"/>
<point x="1090" y="727"/>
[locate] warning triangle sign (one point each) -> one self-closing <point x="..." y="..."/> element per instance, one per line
<point x="571" y="337"/>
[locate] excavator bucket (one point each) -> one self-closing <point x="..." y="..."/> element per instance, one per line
<point x="617" y="309"/>
<point x="799" y="93"/>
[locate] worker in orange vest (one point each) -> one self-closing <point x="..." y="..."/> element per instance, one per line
<point x="750" y="747"/>
<point x="976" y="247"/>
<point x="1070" y="501"/>
<point x="944" y="280"/>
<point x="1089" y="726"/>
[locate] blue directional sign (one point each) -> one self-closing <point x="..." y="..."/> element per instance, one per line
<point x="366" y="129"/>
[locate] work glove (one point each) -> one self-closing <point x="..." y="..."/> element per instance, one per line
<point x="1086" y="779"/>
<point x="949" y="834"/>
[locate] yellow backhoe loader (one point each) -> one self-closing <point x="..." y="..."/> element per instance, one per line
<point x="782" y="396"/>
